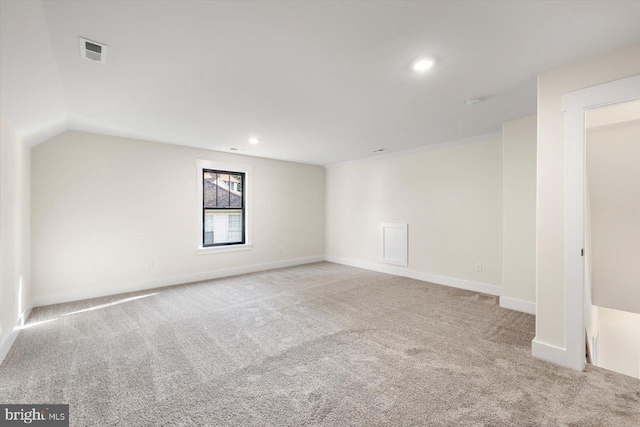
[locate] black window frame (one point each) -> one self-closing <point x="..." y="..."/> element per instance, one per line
<point x="242" y="208"/>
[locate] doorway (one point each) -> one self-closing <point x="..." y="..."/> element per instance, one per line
<point x="578" y="297"/>
<point x="612" y="236"/>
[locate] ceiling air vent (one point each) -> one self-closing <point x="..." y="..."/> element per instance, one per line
<point x="93" y="51"/>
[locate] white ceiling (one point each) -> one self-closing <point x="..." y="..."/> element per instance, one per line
<point x="317" y="82"/>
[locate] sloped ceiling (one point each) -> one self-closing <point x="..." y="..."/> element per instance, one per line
<point x="31" y="96"/>
<point x="317" y="82"/>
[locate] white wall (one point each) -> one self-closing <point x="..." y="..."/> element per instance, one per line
<point x="104" y="207"/>
<point x="550" y="286"/>
<point x="619" y="341"/>
<point x="612" y="114"/>
<point x="451" y="199"/>
<point x="519" y="231"/>
<point x="613" y="170"/>
<point x="590" y="311"/>
<point x="14" y="232"/>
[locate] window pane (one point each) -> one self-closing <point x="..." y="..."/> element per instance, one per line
<point x="236" y="201"/>
<point x="221" y="190"/>
<point x="209" y="189"/>
<point x="208" y="229"/>
<point x="224" y="195"/>
<point x="222" y="226"/>
<point x="235" y="227"/>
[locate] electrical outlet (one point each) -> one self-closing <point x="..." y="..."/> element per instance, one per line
<point x="478" y="266"/>
<point x="150" y="264"/>
<point x="279" y="250"/>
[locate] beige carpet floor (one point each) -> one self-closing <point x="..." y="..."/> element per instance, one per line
<point x="320" y="344"/>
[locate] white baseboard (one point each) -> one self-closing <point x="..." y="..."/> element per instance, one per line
<point x="62" y="297"/>
<point x="425" y="277"/>
<point x="6" y="344"/>
<point x="518" y="305"/>
<point x="549" y="352"/>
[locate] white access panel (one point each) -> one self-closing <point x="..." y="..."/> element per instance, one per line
<point x="394" y="243"/>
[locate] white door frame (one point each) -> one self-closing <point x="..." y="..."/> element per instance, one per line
<point x="575" y="105"/>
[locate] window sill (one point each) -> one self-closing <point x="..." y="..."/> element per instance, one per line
<point x="222" y="249"/>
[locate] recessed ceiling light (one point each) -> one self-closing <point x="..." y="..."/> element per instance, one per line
<point x="254" y="140"/>
<point x="422" y="65"/>
<point x="379" y="150"/>
<point x="472" y="101"/>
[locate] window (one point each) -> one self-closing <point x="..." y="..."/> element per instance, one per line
<point x="223" y="208"/>
<point x="222" y="212"/>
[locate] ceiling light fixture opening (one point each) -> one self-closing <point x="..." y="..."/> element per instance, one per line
<point x="379" y="150"/>
<point x="472" y="101"/>
<point x="422" y="65"/>
<point x="254" y="140"/>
